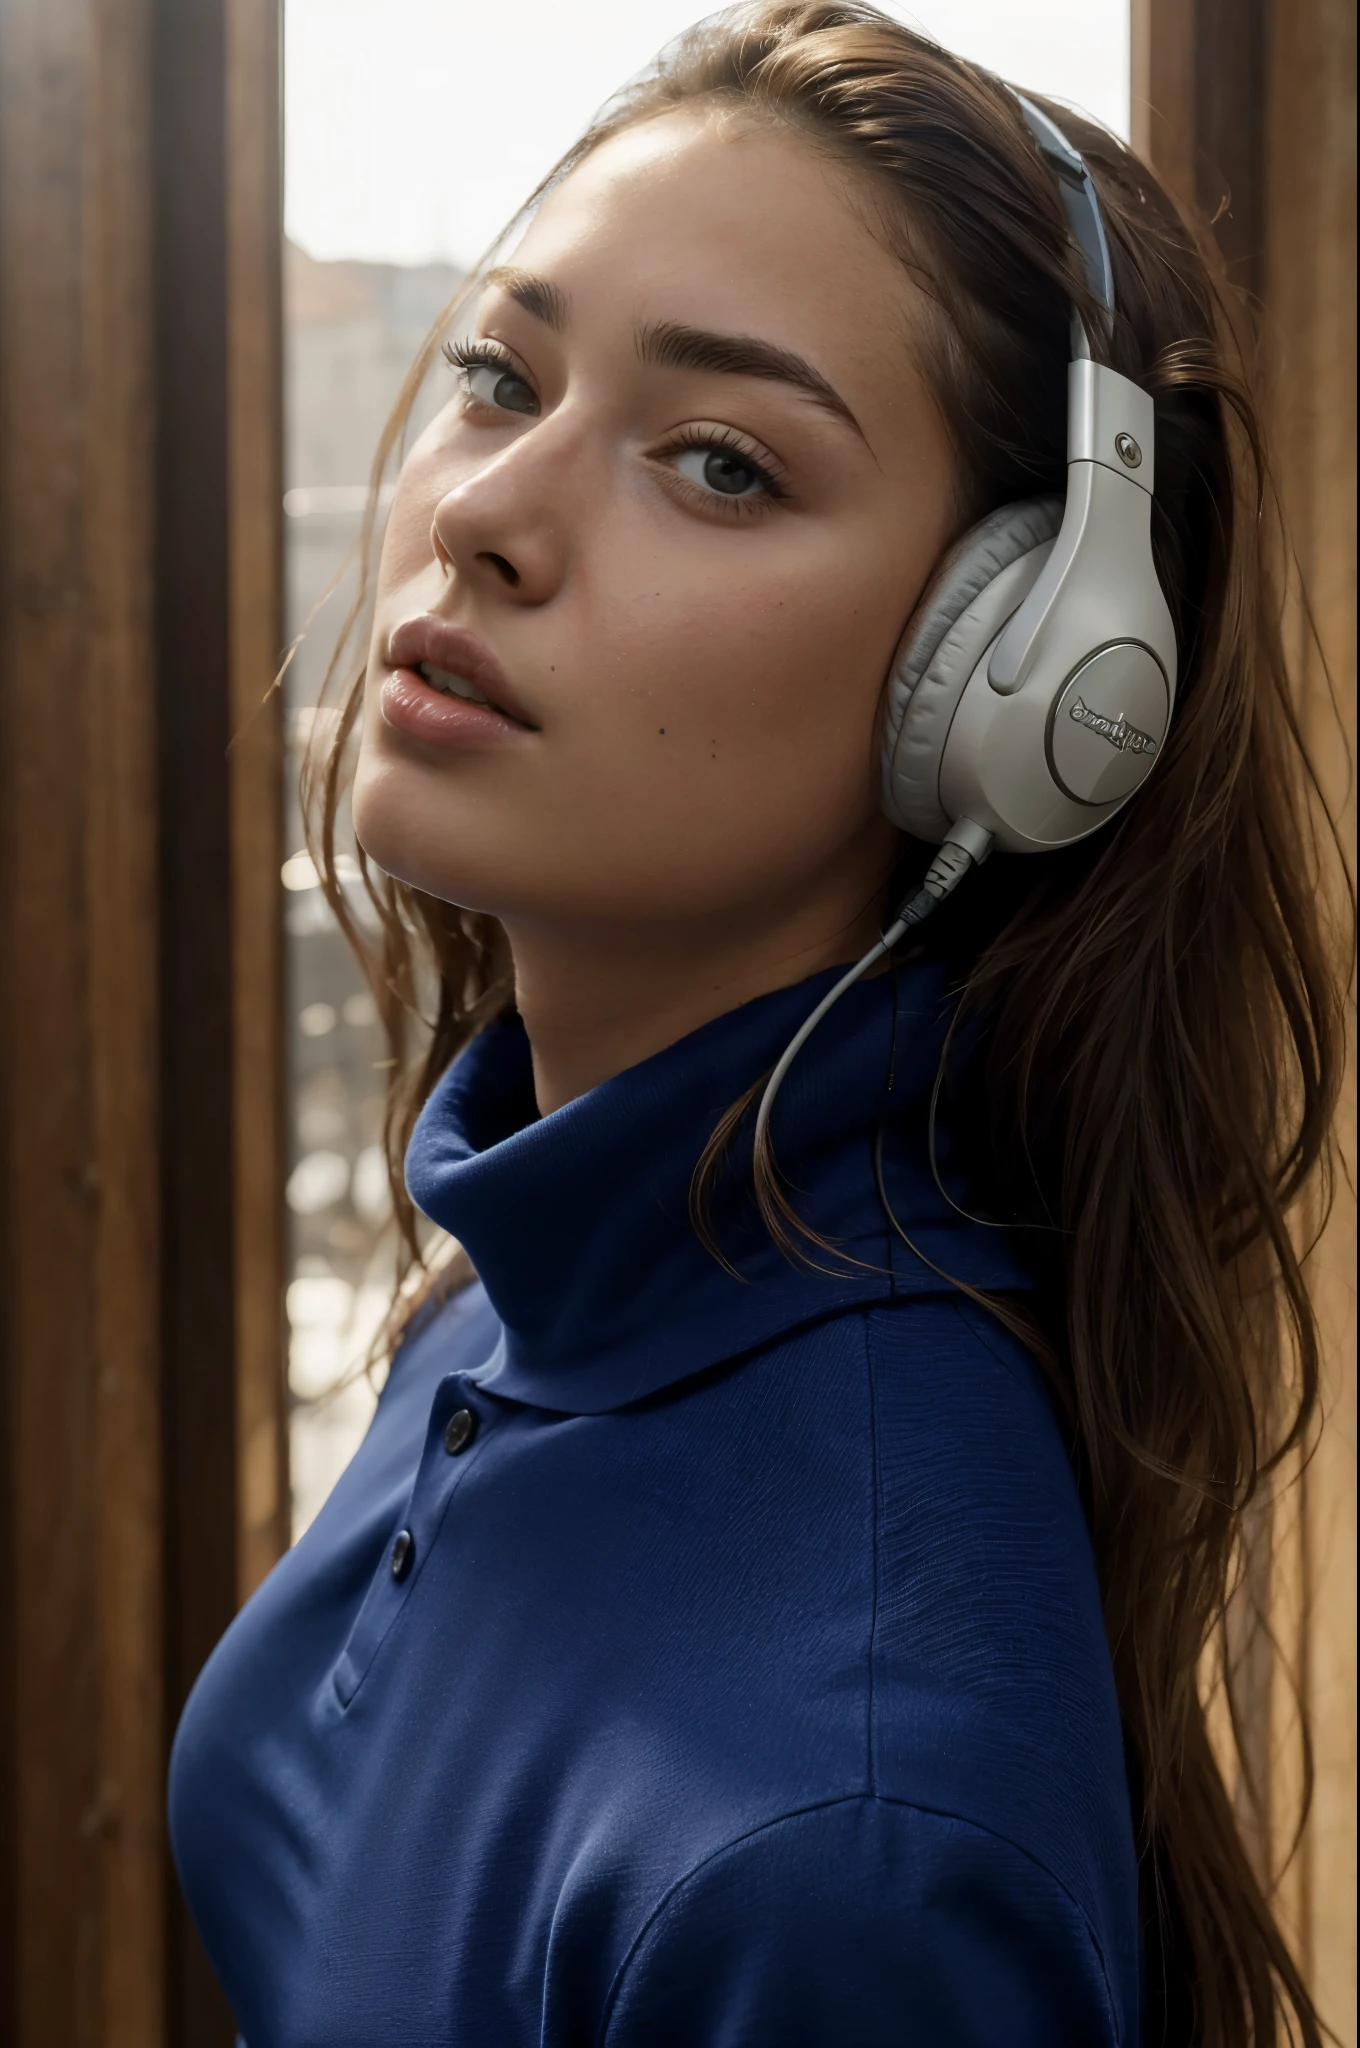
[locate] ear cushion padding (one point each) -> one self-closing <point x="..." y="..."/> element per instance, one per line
<point x="980" y="582"/>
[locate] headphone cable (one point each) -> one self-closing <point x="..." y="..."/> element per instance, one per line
<point x="965" y="848"/>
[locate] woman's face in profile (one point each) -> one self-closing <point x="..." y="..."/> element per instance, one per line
<point x="684" y="494"/>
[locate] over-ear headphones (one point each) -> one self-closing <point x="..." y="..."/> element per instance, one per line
<point x="1030" y="694"/>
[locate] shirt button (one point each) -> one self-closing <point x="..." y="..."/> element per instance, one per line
<point x="459" y="1431"/>
<point x="403" y="1553"/>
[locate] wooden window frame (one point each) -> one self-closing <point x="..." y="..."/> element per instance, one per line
<point x="142" y="1414"/>
<point x="1247" y="109"/>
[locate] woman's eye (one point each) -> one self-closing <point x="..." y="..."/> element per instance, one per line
<point x="493" y="384"/>
<point x="721" y="470"/>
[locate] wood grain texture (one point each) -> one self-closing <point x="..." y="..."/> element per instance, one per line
<point x="51" y="1173"/>
<point x="195" y="884"/>
<point x="1162" y="90"/>
<point x="1308" y="288"/>
<point x="1198" y="74"/>
<point x="140" y="966"/>
<point x="84" y="1750"/>
<point x="1253" y="102"/>
<point x="124" y="1039"/>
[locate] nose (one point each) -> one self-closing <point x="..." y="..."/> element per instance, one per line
<point x="502" y="529"/>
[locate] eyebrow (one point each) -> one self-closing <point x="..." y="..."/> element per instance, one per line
<point x="670" y="346"/>
<point x="535" y="294"/>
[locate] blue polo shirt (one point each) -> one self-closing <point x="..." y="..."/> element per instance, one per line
<point x="689" y="1658"/>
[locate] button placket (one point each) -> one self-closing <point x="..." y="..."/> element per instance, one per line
<point x="455" y="1425"/>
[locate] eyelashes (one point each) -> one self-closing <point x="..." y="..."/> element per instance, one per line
<point x="480" y="362"/>
<point x="468" y="355"/>
<point x="503" y="387"/>
<point x="733" y="451"/>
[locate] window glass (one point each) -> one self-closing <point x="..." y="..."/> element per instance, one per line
<point x="352" y="330"/>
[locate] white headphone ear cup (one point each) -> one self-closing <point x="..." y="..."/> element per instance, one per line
<point x="962" y="609"/>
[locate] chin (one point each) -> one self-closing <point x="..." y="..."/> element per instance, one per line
<point x="392" y="825"/>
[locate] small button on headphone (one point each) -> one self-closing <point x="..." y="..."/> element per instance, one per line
<point x="1030" y="695"/>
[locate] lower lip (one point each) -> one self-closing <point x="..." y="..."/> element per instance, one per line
<point x="415" y="708"/>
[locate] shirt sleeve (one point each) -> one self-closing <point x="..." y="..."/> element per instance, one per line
<point x="868" y="1923"/>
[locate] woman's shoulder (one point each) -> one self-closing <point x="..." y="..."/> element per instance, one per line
<point x="970" y="1454"/>
<point x="993" y="1690"/>
<point x="987" y="1599"/>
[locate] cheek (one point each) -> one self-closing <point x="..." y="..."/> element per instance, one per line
<point x="749" y="697"/>
<point x="710" y="732"/>
<point x="406" y="547"/>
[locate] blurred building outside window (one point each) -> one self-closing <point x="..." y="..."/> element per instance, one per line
<point x="414" y="128"/>
<point x="352" y="330"/>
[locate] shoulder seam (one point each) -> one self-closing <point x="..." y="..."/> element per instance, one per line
<point x="977" y="1329"/>
<point x="779" y="1820"/>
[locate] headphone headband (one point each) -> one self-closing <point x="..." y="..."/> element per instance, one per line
<point x="1076" y="189"/>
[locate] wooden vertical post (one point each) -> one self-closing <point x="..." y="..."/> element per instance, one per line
<point x="1197" y="101"/>
<point x="124" y="1037"/>
<point x="1308" y="287"/>
<point x="1247" y="109"/>
<point x="79" y="1298"/>
<point x="141" y="1246"/>
<point x="220" y="635"/>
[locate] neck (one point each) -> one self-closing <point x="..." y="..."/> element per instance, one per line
<point x="597" y="999"/>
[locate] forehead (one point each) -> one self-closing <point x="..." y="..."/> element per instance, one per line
<point x="717" y="221"/>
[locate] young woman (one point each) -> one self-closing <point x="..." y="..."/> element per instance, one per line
<point x="770" y="1605"/>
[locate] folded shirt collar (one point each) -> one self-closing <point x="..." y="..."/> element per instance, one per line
<point x="579" y="1223"/>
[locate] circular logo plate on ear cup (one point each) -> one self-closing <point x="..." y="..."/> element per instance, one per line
<point x="1107" y="726"/>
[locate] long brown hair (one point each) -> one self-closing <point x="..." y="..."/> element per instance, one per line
<point x="1157" y="1036"/>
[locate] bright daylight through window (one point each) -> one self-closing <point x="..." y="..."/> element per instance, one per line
<point x="402" y="165"/>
